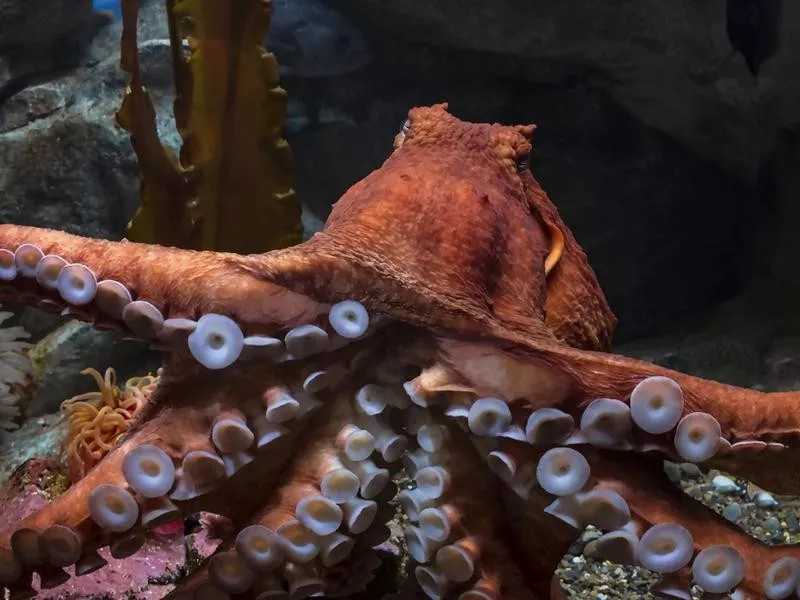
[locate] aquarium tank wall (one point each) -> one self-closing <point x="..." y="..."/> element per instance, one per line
<point x="391" y="300"/>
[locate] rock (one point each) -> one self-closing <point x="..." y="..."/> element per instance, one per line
<point x="792" y="524"/>
<point x="765" y="500"/>
<point x="63" y="153"/>
<point x="724" y="485"/>
<point x="33" y="103"/>
<point x="28" y="489"/>
<point x="39" y="439"/>
<point x="61" y="356"/>
<point x="590" y="534"/>
<point x="151" y="25"/>
<point x="37" y="38"/>
<point x="30" y="24"/>
<point x="782" y="362"/>
<point x="691" y="470"/>
<point x="673" y="471"/>
<point x="710" y="355"/>
<point x="732" y="512"/>
<point x="772" y="524"/>
<point x="676" y="73"/>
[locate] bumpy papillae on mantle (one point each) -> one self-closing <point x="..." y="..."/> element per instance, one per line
<point x="445" y="321"/>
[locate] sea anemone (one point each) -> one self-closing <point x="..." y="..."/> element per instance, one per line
<point x="16" y="372"/>
<point x="97" y="420"/>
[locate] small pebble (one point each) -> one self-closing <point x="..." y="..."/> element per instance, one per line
<point x="590" y="534"/>
<point x="691" y="470"/>
<point x="724" y="485"/>
<point x="673" y="471"/>
<point x="732" y="512"/>
<point x="772" y="524"/>
<point x="792" y="524"/>
<point x="765" y="500"/>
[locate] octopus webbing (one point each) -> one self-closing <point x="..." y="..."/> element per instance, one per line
<point x="445" y="322"/>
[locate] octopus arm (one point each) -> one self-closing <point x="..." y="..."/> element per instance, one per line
<point x="757" y="569"/>
<point x="136" y="287"/>
<point x="751" y="428"/>
<point x="180" y="457"/>
<point x="317" y="526"/>
<point x="458" y="534"/>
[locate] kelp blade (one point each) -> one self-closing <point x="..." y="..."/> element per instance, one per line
<point x="164" y="215"/>
<point x="233" y="135"/>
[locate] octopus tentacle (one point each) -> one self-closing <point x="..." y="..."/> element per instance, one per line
<point x="653" y="500"/>
<point x="456" y="537"/>
<point x="752" y="427"/>
<point x="136" y="287"/>
<point x="527" y="505"/>
<point x="171" y="463"/>
<point x="281" y="581"/>
<point x="315" y="529"/>
<point x="734" y="428"/>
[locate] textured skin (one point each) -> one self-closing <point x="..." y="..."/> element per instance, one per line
<point x="448" y="240"/>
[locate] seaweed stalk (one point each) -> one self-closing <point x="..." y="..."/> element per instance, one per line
<point x="232" y="187"/>
<point x="164" y="215"/>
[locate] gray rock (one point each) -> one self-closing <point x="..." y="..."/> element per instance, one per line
<point x="724" y="485"/>
<point x="64" y="162"/>
<point x="765" y="500"/>
<point x="33" y="103"/>
<point x="37" y="438"/>
<point x="782" y="364"/>
<point x="151" y="25"/>
<point x="727" y="358"/>
<point x="39" y="37"/>
<point x="62" y="355"/>
<point x="673" y="471"/>
<point x="40" y="22"/>
<point x="772" y="524"/>
<point x="669" y="64"/>
<point x="590" y="534"/>
<point x="68" y="172"/>
<point x="792" y="524"/>
<point x="732" y="512"/>
<point x="691" y="470"/>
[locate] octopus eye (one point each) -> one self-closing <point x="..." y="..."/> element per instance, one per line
<point x="523" y="162"/>
<point x="406" y="127"/>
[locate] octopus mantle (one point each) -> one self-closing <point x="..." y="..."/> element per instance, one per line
<point x="445" y="322"/>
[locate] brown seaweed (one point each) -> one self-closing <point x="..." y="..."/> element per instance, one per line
<point x="231" y="187"/>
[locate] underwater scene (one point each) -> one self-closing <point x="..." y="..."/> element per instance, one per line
<point x="396" y="300"/>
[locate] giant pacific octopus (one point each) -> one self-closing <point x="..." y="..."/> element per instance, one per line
<point x="445" y="322"/>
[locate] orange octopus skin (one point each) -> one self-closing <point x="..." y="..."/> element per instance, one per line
<point x="483" y="312"/>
